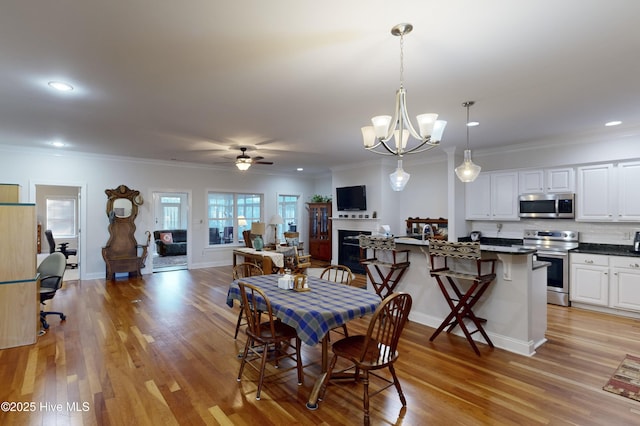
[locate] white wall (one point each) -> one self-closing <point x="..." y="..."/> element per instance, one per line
<point x="94" y="174"/>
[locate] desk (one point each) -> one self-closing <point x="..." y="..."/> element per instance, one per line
<point x="314" y="313"/>
<point x="267" y="259"/>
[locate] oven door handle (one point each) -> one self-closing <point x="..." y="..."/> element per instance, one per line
<point x="554" y="255"/>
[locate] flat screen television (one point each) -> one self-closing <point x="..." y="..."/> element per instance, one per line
<point x="352" y="198"/>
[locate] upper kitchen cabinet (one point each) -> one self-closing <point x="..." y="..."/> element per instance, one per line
<point x="492" y="196"/>
<point x="547" y="181"/>
<point x="629" y="191"/>
<point x="609" y="193"/>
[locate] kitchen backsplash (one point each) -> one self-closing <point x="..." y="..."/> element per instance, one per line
<point x="590" y="232"/>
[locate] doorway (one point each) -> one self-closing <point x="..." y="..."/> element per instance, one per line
<point x="171" y="221"/>
<point x="58" y="209"/>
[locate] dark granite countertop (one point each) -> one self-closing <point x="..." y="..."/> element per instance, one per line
<point x="489" y="241"/>
<point x="606" y="249"/>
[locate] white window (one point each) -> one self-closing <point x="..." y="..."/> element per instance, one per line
<point x="288" y="209"/>
<point x="61" y="217"/>
<point x="229" y="214"/>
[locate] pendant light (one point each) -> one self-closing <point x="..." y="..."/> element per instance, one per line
<point x="468" y="171"/>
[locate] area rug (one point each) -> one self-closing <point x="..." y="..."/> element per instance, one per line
<point x="626" y="380"/>
<point x="169" y="261"/>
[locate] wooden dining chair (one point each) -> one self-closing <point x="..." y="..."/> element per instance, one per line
<point x="243" y="270"/>
<point x="269" y="338"/>
<point x="375" y="350"/>
<point x="338" y="274"/>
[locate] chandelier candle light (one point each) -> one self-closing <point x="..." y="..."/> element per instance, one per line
<point x="468" y="171"/>
<point x="385" y="127"/>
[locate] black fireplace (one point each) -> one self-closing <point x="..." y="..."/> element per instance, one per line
<point x="349" y="250"/>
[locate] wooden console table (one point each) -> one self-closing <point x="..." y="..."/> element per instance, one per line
<point x="269" y="261"/>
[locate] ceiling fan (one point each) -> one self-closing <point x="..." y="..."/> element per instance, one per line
<point x="243" y="161"/>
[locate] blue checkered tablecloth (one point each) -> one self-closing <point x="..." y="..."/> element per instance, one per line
<point x="312" y="313"/>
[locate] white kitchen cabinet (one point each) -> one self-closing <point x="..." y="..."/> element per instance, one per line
<point x="595" y="194"/>
<point x="629" y="191"/>
<point x="492" y="196"/>
<point x="531" y="181"/>
<point x="605" y="281"/>
<point x="504" y="196"/>
<point x="608" y="192"/>
<point x="478" y="198"/>
<point x="547" y="181"/>
<point x="589" y="279"/>
<point x="624" y="283"/>
<point x="560" y="180"/>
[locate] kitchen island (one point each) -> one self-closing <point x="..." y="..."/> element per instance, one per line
<point x="515" y="305"/>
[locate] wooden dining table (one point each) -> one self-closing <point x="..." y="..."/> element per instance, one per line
<point x="312" y="313"/>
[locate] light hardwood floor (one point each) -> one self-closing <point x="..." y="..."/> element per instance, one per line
<point x="160" y="351"/>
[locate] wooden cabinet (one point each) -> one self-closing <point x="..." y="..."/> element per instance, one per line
<point x="320" y="230"/>
<point x="589" y="279"/>
<point x="19" y="284"/>
<point x="9" y="193"/>
<point x="492" y="196"/>
<point x="547" y="181"/>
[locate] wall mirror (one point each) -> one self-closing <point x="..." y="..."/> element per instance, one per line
<point x="122" y="207"/>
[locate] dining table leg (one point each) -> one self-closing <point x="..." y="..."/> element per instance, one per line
<point x="312" y="402"/>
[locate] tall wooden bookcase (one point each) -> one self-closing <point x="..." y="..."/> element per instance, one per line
<point x="320" y="230"/>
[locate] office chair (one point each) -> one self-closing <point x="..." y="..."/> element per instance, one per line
<point x="51" y="271"/>
<point x="62" y="249"/>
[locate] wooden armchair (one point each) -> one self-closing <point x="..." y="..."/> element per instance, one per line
<point x="297" y="263"/>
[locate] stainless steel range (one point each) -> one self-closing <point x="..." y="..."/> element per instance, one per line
<point x="553" y="247"/>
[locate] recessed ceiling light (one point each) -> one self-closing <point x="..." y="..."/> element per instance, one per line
<point x="61" y="86"/>
<point x="299" y="169"/>
<point x="473" y="124"/>
<point x="613" y="123"/>
<point x="58" y="144"/>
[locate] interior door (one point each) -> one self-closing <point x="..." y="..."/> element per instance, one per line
<point x="170" y="211"/>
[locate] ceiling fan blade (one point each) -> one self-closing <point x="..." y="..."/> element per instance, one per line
<point x="263" y="162"/>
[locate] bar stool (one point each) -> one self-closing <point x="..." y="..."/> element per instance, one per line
<point x="461" y="303"/>
<point x="388" y="263"/>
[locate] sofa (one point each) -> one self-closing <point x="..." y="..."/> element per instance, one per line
<point x="171" y="242"/>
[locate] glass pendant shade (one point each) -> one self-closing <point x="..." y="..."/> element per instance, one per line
<point x="368" y="136"/>
<point x="399" y="178"/>
<point x="468" y="171"/>
<point x="243" y="164"/>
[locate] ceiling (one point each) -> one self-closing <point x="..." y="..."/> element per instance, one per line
<point x="293" y="81"/>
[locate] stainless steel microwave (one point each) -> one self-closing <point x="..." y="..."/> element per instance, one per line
<point x="550" y="206"/>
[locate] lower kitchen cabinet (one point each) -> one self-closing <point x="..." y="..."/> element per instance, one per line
<point x="589" y="279"/>
<point x="605" y="281"/>
<point x="625" y="283"/>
